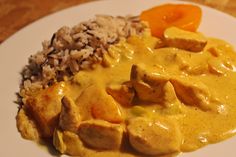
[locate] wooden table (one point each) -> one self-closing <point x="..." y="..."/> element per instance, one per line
<point x="15" y="14"/>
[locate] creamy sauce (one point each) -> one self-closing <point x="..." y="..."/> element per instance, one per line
<point x="214" y="67"/>
<point x="198" y="127"/>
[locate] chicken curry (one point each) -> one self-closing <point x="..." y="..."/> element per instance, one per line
<point x="150" y="97"/>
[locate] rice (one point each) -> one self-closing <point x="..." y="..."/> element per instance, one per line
<point x="73" y="49"/>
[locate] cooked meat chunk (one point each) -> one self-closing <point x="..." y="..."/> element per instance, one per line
<point x="75" y="146"/>
<point x="143" y="73"/>
<point x="151" y="87"/>
<point x="94" y="102"/>
<point x="169" y="94"/>
<point x="58" y="141"/>
<point x="154" y="136"/>
<point x="69" y="117"/>
<point x="101" y="134"/>
<point x="186" y="40"/>
<point x="194" y="94"/>
<point x="172" y="104"/>
<point x="27" y="126"/>
<point x="69" y="143"/>
<point x="123" y="94"/>
<point x="46" y="107"/>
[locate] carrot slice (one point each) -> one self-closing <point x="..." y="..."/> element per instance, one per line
<point x="184" y="16"/>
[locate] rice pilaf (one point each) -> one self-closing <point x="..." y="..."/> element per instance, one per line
<point x="73" y="49"/>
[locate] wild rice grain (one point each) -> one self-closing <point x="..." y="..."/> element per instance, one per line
<point x="73" y="49"/>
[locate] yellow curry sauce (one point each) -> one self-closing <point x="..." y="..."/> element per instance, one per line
<point x="209" y="72"/>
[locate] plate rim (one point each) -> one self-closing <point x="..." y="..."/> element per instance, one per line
<point x="13" y="37"/>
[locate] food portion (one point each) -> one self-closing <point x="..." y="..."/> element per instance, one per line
<point x="112" y="87"/>
<point x="154" y="136"/>
<point x="175" y="37"/>
<point x="184" y="16"/>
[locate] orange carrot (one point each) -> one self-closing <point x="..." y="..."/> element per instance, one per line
<point x="107" y="111"/>
<point x="184" y="16"/>
<point x="105" y="107"/>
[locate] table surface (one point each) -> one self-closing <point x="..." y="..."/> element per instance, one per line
<point x="15" y="14"/>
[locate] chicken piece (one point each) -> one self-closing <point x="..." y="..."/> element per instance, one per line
<point x="58" y="141"/>
<point x="186" y="40"/>
<point x="171" y="102"/>
<point x="69" y="117"/>
<point x="155" y="88"/>
<point x="69" y="143"/>
<point x="94" y="102"/>
<point x="141" y="73"/>
<point x="123" y="94"/>
<point x="194" y="94"/>
<point x="152" y="88"/>
<point x="27" y="126"/>
<point x="154" y="136"/>
<point x="169" y="94"/>
<point x="75" y="146"/>
<point x="46" y="107"/>
<point x="101" y="134"/>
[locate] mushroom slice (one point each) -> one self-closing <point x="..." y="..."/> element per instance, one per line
<point x="186" y="40"/>
<point x="154" y="136"/>
<point x="69" y="117"/>
<point x="101" y="134"/>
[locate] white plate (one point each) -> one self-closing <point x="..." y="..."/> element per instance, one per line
<point x="15" y="51"/>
